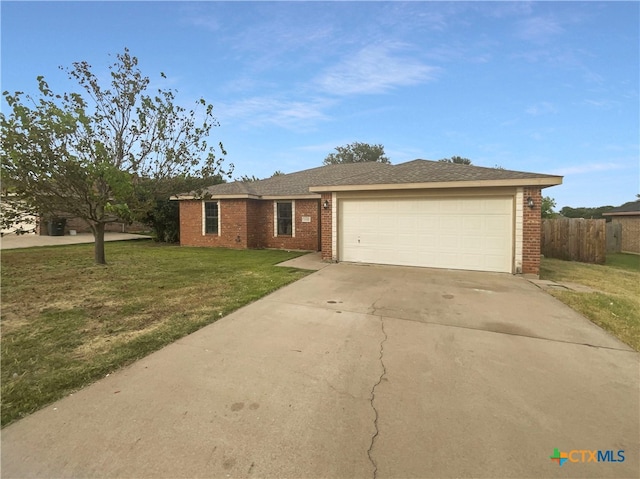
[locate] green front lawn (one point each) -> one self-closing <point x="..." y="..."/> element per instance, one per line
<point x="66" y="322"/>
<point x="615" y="306"/>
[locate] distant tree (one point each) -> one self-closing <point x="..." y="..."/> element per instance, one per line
<point x="277" y="173"/>
<point x="585" y="212"/>
<point x="548" y="204"/>
<point x="456" y="159"/>
<point x="247" y="178"/>
<point x="357" y="153"/>
<point x="90" y="155"/>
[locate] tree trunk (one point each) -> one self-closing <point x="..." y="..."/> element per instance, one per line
<point x="98" y="234"/>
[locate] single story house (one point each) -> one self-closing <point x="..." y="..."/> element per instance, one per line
<point x="419" y="213"/>
<point x="628" y="216"/>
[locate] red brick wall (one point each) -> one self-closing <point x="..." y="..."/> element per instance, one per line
<point x="233" y="224"/>
<point x="325" y="229"/>
<point x="531" y="224"/>
<point x="306" y="234"/>
<point x="258" y="225"/>
<point x="247" y="223"/>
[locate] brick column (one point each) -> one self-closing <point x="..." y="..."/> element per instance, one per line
<point x="326" y="227"/>
<point x="531" y="225"/>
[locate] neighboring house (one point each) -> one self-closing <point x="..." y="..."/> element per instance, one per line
<point x="73" y="223"/>
<point x="628" y="216"/>
<point x="23" y="221"/>
<point x="16" y="217"/>
<point x="420" y="213"/>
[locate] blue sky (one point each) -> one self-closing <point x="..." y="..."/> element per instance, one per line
<point x="548" y="87"/>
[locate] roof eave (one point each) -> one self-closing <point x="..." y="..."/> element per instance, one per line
<point x="541" y="181"/>
<point x="312" y="196"/>
<point x="622" y="213"/>
<point x="309" y="196"/>
<point x="206" y="196"/>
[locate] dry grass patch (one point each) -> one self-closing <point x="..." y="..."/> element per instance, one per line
<point x="616" y="304"/>
<point x="66" y="322"/>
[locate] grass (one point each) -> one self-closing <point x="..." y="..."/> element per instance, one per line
<point x="615" y="306"/>
<point x="67" y="322"/>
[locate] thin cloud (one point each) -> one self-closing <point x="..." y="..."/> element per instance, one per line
<point x="207" y="22"/>
<point x="593" y="77"/>
<point x="402" y="15"/>
<point x="400" y="155"/>
<point x="375" y="69"/>
<point x="290" y="114"/>
<point x="587" y="168"/>
<point x="274" y="43"/>
<point x="460" y="52"/>
<point x="447" y="52"/>
<point x="506" y="9"/>
<point x="539" y="29"/>
<point x="602" y="104"/>
<point x="266" y="35"/>
<point x="542" y="108"/>
<point x="322" y="147"/>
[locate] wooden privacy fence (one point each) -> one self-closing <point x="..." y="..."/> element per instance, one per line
<point x="614" y="237"/>
<point x="574" y="239"/>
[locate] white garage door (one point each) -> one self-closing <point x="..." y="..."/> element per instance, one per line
<point x="457" y="233"/>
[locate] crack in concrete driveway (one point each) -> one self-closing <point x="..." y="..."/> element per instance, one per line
<point x="373" y="398"/>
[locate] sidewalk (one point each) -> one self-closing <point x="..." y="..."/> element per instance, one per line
<point x="311" y="261"/>
<point x="32" y="240"/>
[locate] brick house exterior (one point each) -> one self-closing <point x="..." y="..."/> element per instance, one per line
<point x="628" y="216"/>
<point x="532" y="224"/>
<point x="249" y="223"/>
<point x="306" y="210"/>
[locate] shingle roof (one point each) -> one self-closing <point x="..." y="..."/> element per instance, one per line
<point x="296" y="183"/>
<point x="425" y="171"/>
<point x="632" y="207"/>
<point x="412" y="172"/>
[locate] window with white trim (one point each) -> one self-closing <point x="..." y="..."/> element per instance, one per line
<point x="211" y="218"/>
<point x="284" y="218"/>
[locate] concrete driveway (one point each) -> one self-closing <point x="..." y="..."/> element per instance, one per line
<point x="357" y="371"/>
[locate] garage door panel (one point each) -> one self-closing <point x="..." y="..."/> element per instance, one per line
<point x="473" y="244"/>
<point x="403" y="222"/>
<point x="495" y="225"/>
<point x="450" y="225"/>
<point x="430" y="243"/>
<point x="427" y="223"/>
<point x="472" y="222"/>
<point x="448" y="243"/>
<point x="457" y="233"/>
<point x="446" y="207"/>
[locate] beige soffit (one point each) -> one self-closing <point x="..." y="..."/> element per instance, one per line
<point x="290" y="197"/>
<point x="311" y="196"/>
<point x="206" y="197"/>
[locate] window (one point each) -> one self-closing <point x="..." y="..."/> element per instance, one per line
<point x="211" y="217"/>
<point x="284" y="219"/>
